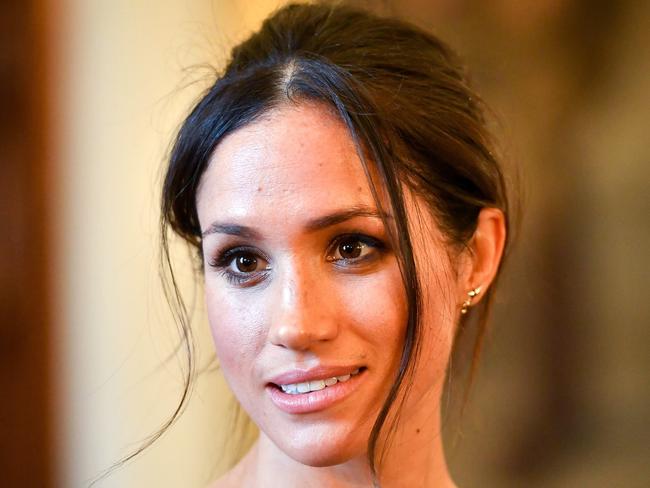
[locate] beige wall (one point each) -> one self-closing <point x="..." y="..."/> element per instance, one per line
<point x="122" y="93"/>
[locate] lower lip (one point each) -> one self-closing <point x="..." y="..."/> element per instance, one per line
<point x="314" y="401"/>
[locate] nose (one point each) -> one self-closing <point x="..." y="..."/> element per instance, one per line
<point x="304" y="313"/>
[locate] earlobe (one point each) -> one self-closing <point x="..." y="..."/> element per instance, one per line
<point x="486" y="250"/>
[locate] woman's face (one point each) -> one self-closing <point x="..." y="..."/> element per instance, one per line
<point x="303" y="290"/>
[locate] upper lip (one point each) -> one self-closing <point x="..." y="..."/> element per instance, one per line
<point x="311" y="374"/>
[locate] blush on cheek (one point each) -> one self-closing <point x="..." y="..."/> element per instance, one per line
<point x="227" y="345"/>
<point x="378" y="308"/>
<point x="235" y="330"/>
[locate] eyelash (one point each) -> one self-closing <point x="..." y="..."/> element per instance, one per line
<point x="224" y="259"/>
<point x="371" y="242"/>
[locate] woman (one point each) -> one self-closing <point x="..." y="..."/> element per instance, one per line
<point x="338" y="184"/>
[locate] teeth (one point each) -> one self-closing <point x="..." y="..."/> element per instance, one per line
<point x="292" y="389"/>
<point x="316" y="385"/>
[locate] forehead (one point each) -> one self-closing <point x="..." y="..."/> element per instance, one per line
<point x="298" y="159"/>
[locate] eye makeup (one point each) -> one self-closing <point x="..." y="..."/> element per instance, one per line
<point x="245" y="265"/>
<point x="241" y="265"/>
<point x="353" y="250"/>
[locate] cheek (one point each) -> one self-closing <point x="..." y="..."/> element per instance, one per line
<point x="437" y="332"/>
<point x="376" y="305"/>
<point x="437" y="321"/>
<point x="237" y="330"/>
<point x="438" y="285"/>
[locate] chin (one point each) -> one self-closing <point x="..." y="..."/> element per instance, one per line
<point x="319" y="457"/>
<point x="321" y="450"/>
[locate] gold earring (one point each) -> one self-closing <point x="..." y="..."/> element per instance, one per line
<point x="470" y="296"/>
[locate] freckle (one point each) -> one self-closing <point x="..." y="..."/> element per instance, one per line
<point x="359" y="189"/>
<point x="417" y="431"/>
<point x="259" y="188"/>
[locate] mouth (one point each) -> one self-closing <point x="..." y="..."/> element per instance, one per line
<point x="316" y="385"/>
<point x="314" y="394"/>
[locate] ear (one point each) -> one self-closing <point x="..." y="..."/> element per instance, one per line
<point x="485" y="252"/>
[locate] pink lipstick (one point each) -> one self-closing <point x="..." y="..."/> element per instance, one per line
<point x="300" y="392"/>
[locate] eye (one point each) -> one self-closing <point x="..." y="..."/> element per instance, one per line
<point x="246" y="263"/>
<point x="354" y="248"/>
<point x="241" y="265"/>
<point x="351" y="248"/>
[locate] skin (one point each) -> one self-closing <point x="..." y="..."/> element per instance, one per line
<point x="301" y="303"/>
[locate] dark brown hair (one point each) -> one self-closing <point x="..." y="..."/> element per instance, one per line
<point x="405" y="100"/>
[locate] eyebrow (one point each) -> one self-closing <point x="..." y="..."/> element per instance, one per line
<point x="313" y="225"/>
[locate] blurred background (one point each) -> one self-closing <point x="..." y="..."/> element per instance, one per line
<point x="90" y="95"/>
